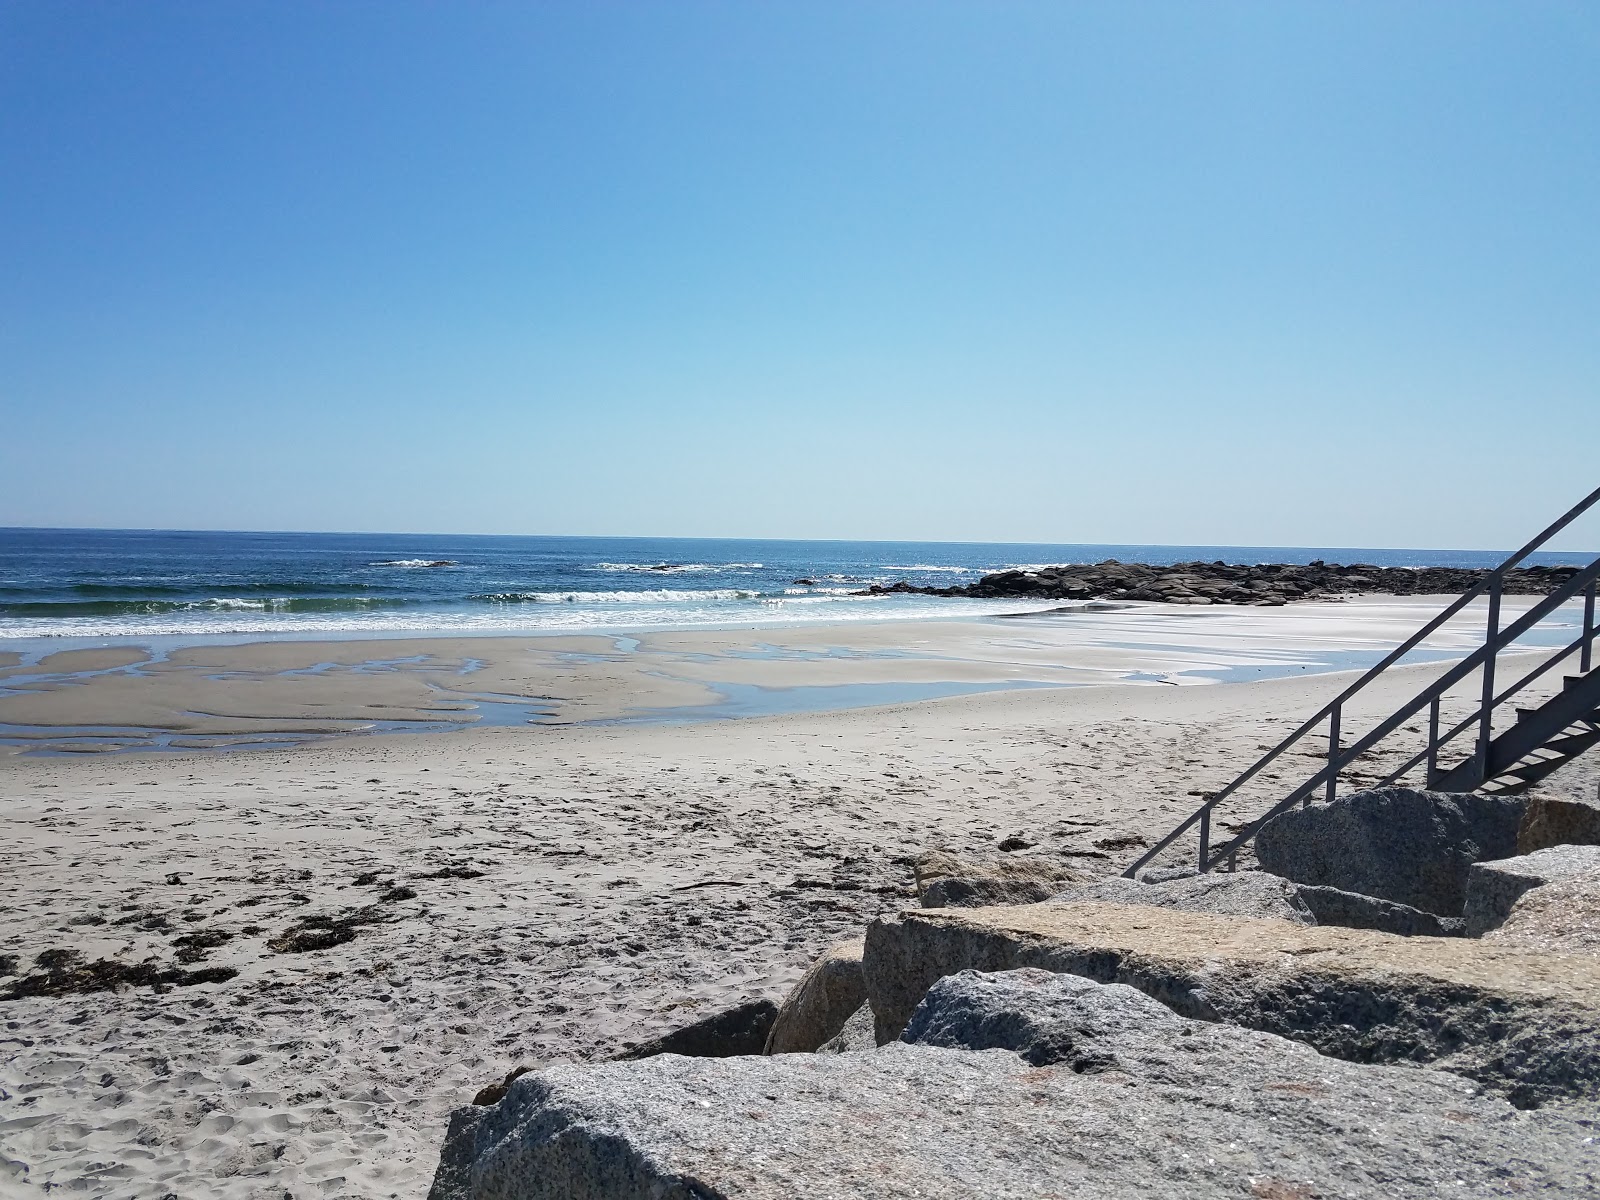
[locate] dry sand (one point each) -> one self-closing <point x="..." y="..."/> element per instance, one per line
<point x="521" y="895"/>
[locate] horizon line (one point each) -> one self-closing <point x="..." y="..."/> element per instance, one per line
<point x="796" y="540"/>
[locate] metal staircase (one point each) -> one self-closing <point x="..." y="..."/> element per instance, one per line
<point x="1540" y="739"/>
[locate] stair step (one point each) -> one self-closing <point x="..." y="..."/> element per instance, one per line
<point x="1533" y="770"/>
<point x="1572" y="744"/>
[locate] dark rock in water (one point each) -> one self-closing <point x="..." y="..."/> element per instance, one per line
<point x="1331" y="906"/>
<point x="1235" y="894"/>
<point x="1495" y="887"/>
<point x="1521" y="1023"/>
<point x="1129" y="1102"/>
<point x="1224" y="583"/>
<point x="804" y="582"/>
<point x="1399" y="844"/>
<point x="742" y="1029"/>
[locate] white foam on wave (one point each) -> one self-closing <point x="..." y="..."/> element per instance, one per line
<point x="416" y="562"/>
<point x="665" y="568"/>
<point x="521" y="618"/>
<point x="653" y="596"/>
<point x="932" y="568"/>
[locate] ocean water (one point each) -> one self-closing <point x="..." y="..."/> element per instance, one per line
<point x="106" y="585"/>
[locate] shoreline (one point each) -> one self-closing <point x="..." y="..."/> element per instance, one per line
<point x="126" y="698"/>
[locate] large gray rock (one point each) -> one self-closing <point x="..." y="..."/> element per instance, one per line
<point x="1523" y="1023"/>
<point x="1172" y="1109"/>
<point x="983" y="891"/>
<point x="860" y="1032"/>
<point x="1494" y="887"/>
<point x="742" y="1029"/>
<point x="946" y="879"/>
<point x="1557" y="820"/>
<point x="1398" y="844"/>
<point x="1226" y="893"/>
<point x="1562" y="917"/>
<point x="827" y="994"/>
<point x="1331" y="906"/>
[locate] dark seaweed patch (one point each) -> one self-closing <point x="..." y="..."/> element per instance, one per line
<point x="192" y="947"/>
<point x="453" y="873"/>
<point x="65" y="973"/>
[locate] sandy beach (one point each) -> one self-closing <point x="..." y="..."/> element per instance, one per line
<point x="129" y="696"/>
<point x="510" y="895"/>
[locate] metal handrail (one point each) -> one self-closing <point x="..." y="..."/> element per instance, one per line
<point x="1329" y="774"/>
<point x="1436" y="740"/>
<point x="1338" y="758"/>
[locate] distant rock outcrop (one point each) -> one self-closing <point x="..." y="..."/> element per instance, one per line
<point x="1231" y="583"/>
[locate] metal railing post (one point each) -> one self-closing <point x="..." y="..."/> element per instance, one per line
<point x="1587" y="657"/>
<point x="1587" y="577"/>
<point x="1433" y="741"/>
<point x="1333" y="753"/>
<point x="1491" y="644"/>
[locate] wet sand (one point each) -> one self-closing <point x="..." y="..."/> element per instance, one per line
<point x="116" y="698"/>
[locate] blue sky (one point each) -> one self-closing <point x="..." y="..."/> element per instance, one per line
<point x="1259" y="273"/>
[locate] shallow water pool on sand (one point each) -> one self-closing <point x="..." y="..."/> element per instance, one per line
<point x="743" y="700"/>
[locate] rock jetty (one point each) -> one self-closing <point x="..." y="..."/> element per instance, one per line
<point x="1015" y="1084"/>
<point x="1231" y="583"/>
<point x="1208" y="1036"/>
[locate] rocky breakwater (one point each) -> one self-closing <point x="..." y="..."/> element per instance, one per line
<point x="1215" y="1037"/>
<point x="1231" y="583"/>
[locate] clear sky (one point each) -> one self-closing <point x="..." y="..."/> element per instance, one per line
<point x="1264" y="273"/>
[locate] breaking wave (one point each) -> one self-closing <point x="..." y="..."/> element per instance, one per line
<point x="67" y="609"/>
<point x="669" y="568"/>
<point x="658" y="596"/>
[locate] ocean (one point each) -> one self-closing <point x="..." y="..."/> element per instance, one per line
<point x="105" y="585"/>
